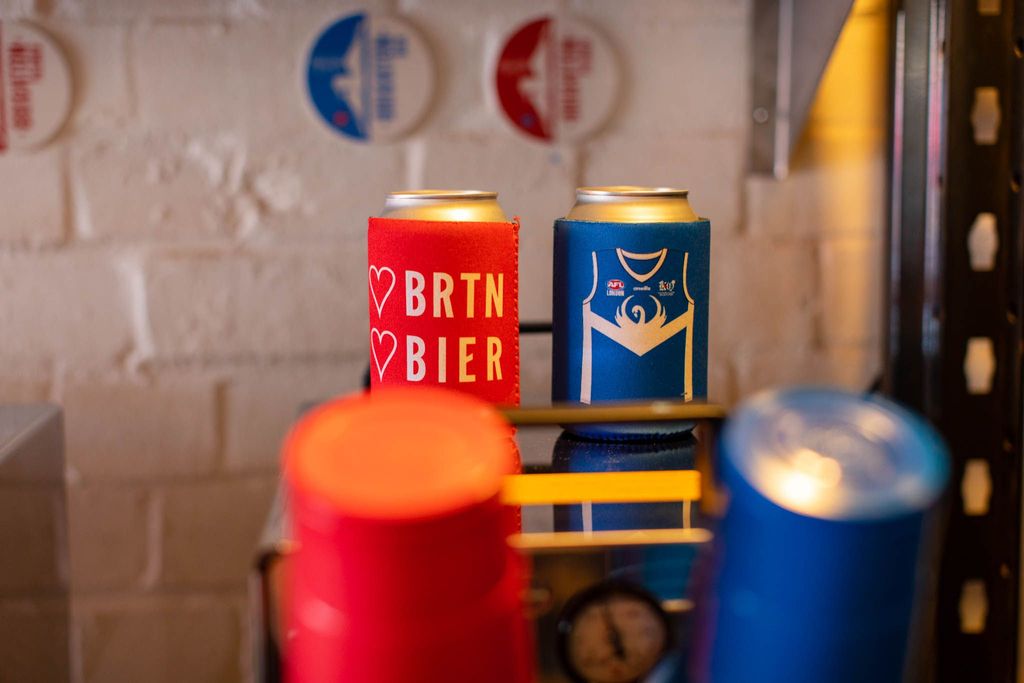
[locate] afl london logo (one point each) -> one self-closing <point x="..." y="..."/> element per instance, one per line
<point x="616" y="287"/>
<point x="370" y="77"/>
<point x="556" y="79"/>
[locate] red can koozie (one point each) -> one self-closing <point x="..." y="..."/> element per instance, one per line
<point x="403" y="570"/>
<point x="444" y="306"/>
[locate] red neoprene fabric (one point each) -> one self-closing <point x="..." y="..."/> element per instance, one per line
<point x="444" y="306"/>
<point x="402" y="570"/>
<point x="395" y="603"/>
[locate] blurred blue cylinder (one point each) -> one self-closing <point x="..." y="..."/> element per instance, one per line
<point x="814" y="572"/>
<point x="664" y="570"/>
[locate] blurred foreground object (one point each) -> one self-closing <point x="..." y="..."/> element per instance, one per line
<point x="568" y="564"/>
<point x="34" y="609"/>
<point x="403" y="570"/>
<point x="815" y="576"/>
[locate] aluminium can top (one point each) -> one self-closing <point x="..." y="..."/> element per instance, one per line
<point x="632" y="204"/>
<point x="835" y="455"/>
<point x="444" y="205"/>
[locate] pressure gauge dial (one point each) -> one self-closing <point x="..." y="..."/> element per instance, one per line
<point x="614" y="632"/>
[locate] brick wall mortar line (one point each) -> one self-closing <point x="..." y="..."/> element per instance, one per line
<point x="154" y="546"/>
<point x="131" y="269"/>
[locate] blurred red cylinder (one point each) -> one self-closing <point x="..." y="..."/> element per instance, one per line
<point x="403" y="570"/>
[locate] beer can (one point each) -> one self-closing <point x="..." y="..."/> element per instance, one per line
<point x="630" y="301"/>
<point x="816" y="570"/>
<point x="443" y="294"/>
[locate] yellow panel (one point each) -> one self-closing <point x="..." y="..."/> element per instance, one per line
<point x="566" y="540"/>
<point x="602" y="487"/>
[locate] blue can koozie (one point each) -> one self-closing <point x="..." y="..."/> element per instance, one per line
<point x="630" y="316"/>
<point x="816" y="565"/>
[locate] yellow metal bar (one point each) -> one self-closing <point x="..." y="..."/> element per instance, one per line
<point x="566" y="540"/>
<point x="655" y="411"/>
<point x="602" y="487"/>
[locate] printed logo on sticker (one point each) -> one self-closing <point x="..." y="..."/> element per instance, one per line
<point x="370" y="77"/>
<point x="35" y="87"/>
<point x="556" y="79"/>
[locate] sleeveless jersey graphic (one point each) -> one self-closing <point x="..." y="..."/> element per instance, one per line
<point x="639" y="307"/>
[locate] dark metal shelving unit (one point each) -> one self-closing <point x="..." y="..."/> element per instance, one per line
<point x="943" y="176"/>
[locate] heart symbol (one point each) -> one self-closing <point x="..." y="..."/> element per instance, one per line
<point x="377" y="339"/>
<point x="375" y="280"/>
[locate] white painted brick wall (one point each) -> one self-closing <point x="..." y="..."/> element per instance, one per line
<point x="161" y="639"/>
<point x="281" y="303"/>
<point x="763" y="293"/>
<point x="70" y="306"/>
<point x="178" y="10"/>
<point x="127" y="430"/>
<point x="99" y="57"/>
<point x="851" y="291"/>
<point x="131" y="188"/>
<point x="223" y="76"/>
<point x="535" y="375"/>
<point x="16" y="8"/>
<point x="33" y="224"/>
<point x="185" y="265"/>
<point x="191" y="555"/>
<point x="25" y="382"/>
<point x="307" y="187"/>
<point x="261" y="403"/>
<point x="106" y="517"/>
<point x="685" y="65"/>
<point x="851" y="367"/>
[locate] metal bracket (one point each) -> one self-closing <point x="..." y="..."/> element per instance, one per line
<point x="955" y="342"/>
<point x="793" y="40"/>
